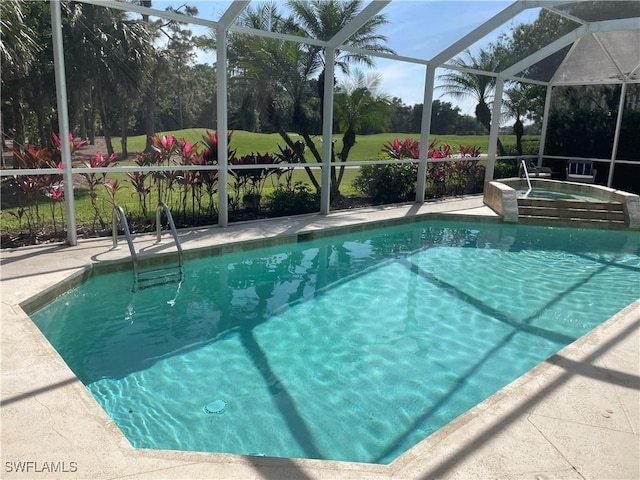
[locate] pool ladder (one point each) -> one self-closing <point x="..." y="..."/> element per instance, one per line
<point x="156" y="276"/>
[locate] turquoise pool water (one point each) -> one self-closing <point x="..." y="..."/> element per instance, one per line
<point x="555" y="195"/>
<point x="352" y="348"/>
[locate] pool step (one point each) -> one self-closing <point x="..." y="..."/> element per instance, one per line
<point x="578" y="213"/>
<point x="159" y="276"/>
<point x="579" y="204"/>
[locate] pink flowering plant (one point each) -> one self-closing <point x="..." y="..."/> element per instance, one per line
<point x="387" y="183"/>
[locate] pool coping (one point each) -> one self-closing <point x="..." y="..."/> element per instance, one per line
<point x="574" y="416"/>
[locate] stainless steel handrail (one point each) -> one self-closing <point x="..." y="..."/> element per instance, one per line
<point x="172" y="227"/>
<point x="526" y="175"/>
<point x="118" y="214"/>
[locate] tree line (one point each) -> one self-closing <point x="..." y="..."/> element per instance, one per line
<point x="130" y="76"/>
<point x="133" y="75"/>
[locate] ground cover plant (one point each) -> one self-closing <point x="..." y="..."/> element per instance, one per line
<point x="33" y="205"/>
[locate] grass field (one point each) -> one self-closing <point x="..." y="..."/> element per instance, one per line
<point x="368" y="147"/>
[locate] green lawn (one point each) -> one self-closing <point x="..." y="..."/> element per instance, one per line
<point x="367" y="147"/>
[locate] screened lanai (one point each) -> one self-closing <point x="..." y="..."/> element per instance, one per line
<point x="603" y="48"/>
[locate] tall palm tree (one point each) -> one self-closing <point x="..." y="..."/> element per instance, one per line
<point x="107" y="53"/>
<point x="18" y="46"/>
<point x="358" y="103"/>
<point x="292" y="66"/>
<point x="460" y="84"/>
<point x="151" y="86"/>
<point x="516" y="105"/>
<point x="18" y="43"/>
<point x="287" y="65"/>
<point x="274" y="73"/>
<point x="323" y="19"/>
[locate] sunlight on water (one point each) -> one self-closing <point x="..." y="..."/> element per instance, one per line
<point x="353" y="348"/>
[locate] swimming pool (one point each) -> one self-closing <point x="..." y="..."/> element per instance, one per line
<point x="320" y="360"/>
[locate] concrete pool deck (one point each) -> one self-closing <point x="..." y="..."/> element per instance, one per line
<point x="575" y="416"/>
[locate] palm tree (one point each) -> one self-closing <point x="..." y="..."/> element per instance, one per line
<point x="293" y="66"/>
<point x="459" y="83"/>
<point x="150" y="88"/>
<point x="108" y="55"/>
<point x="18" y="43"/>
<point x="286" y="64"/>
<point x="323" y="19"/>
<point x="516" y="105"/>
<point x="358" y="103"/>
<point x="18" y="47"/>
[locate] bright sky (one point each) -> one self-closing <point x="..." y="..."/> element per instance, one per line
<point x="419" y="29"/>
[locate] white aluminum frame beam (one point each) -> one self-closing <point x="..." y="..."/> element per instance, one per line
<point x="228" y="17"/>
<point x="487" y="27"/>
<point x="327" y="132"/>
<point x="545" y="123"/>
<point x="63" y="120"/>
<point x="495" y="128"/>
<point x="616" y="135"/>
<point x="152" y="12"/>
<point x="425" y="132"/>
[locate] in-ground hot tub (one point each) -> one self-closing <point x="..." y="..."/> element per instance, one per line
<point x="502" y="196"/>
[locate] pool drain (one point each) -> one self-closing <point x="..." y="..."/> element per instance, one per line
<point x="217" y="406"/>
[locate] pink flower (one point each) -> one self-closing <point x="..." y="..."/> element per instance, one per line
<point x="55" y="192"/>
<point x="112" y="185"/>
<point x="167" y="142"/>
<point x="73" y="145"/>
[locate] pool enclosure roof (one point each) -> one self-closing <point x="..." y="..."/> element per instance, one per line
<point x="603" y="48"/>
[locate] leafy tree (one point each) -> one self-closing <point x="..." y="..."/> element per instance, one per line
<point x="443" y="117"/>
<point x="527" y="38"/>
<point x="468" y="125"/>
<point x="180" y="57"/>
<point x="151" y="85"/>
<point x="401" y="117"/>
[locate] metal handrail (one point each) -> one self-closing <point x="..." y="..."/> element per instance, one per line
<point x="526" y="175"/>
<point x="172" y="226"/>
<point x="118" y="214"/>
